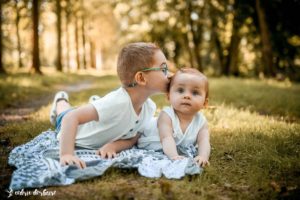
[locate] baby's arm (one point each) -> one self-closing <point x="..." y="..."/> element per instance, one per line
<point x="166" y="136"/>
<point x="111" y="149"/>
<point x="69" y="126"/>
<point x="203" y="146"/>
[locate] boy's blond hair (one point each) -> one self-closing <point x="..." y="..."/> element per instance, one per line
<point x="188" y="70"/>
<point x="133" y="58"/>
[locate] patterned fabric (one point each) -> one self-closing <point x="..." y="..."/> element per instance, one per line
<point x="37" y="163"/>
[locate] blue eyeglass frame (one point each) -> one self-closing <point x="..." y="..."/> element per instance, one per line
<point x="164" y="69"/>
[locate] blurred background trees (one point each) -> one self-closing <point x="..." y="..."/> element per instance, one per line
<point x="245" y="38"/>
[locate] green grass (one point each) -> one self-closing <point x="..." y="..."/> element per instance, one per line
<point x="255" y="137"/>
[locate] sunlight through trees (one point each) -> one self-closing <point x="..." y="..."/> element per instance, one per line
<point x="220" y="37"/>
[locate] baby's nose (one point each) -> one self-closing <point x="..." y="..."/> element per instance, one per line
<point x="187" y="95"/>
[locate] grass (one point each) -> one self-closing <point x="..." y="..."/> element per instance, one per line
<point x="255" y="137"/>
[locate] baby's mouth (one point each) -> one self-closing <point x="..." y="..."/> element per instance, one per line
<point x="186" y="104"/>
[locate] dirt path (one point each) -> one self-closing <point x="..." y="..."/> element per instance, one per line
<point x="23" y="111"/>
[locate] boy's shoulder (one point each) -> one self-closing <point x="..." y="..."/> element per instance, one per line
<point x="151" y="103"/>
<point x="116" y="98"/>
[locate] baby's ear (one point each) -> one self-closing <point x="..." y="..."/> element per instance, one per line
<point x="206" y="102"/>
<point x="168" y="96"/>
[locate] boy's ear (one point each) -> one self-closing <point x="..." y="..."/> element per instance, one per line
<point x="139" y="78"/>
<point x="206" y="102"/>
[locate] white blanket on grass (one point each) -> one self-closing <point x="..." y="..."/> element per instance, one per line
<point x="37" y="164"/>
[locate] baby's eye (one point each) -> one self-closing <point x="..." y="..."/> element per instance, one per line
<point x="180" y="90"/>
<point x="195" y="93"/>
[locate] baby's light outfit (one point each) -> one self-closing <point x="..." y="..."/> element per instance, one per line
<point x="150" y="138"/>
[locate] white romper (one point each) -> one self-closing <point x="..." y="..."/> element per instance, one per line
<point x="150" y="138"/>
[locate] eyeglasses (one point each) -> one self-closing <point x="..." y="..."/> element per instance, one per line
<point x="163" y="67"/>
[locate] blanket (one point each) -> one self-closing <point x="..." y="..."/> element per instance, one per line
<point x="37" y="163"/>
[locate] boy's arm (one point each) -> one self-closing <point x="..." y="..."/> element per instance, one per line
<point x="69" y="126"/>
<point x="111" y="149"/>
<point x="203" y="146"/>
<point x="166" y="137"/>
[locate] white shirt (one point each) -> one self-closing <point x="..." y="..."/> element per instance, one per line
<point x="117" y="120"/>
<point x="150" y="138"/>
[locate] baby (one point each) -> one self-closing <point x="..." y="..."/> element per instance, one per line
<point x="181" y="124"/>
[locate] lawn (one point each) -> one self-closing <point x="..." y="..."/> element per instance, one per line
<point x="255" y="138"/>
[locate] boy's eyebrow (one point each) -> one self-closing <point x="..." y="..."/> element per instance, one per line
<point x="162" y="64"/>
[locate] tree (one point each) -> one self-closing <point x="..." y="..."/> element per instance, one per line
<point x="2" y="70"/>
<point x="17" y="9"/>
<point x="193" y="15"/>
<point x="68" y="11"/>
<point x="77" y="40"/>
<point x="58" y="27"/>
<point x="267" y="54"/>
<point x="284" y="27"/>
<point x="35" y="52"/>
<point x="83" y="32"/>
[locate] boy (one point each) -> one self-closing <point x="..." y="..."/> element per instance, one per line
<point x="111" y="124"/>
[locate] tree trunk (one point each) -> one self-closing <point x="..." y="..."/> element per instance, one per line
<point x="2" y="71"/>
<point x="92" y="54"/>
<point x="187" y="15"/>
<point x="83" y="43"/>
<point x="189" y="50"/>
<point x="77" y="42"/>
<point x="219" y="51"/>
<point x="83" y="34"/>
<point x="67" y="21"/>
<point x="177" y="51"/>
<point x="233" y="52"/>
<point x="20" y="64"/>
<point x="59" y="66"/>
<point x="196" y="36"/>
<point x="216" y="43"/>
<point x="35" y="52"/>
<point x="267" y="54"/>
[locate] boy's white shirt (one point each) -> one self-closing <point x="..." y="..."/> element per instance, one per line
<point x="150" y="138"/>
<point x="117" y="120"/>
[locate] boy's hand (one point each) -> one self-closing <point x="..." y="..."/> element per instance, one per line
<point x="107" y="151"/>
<point x="71" y="160"/>
<point x="177" y="157"/>
<point x="201" y="161"/>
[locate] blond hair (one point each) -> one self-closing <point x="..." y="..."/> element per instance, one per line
<point x="188" y="70"/>
<point x="133" y="58"/>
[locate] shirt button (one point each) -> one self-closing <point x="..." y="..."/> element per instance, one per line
<point x="137" y="121"/>
<point x="131" y="130"/>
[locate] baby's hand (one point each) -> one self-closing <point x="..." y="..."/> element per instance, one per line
<point x="71" y="160"/>
<point x="107" y="151"/>
<point x="177" y="157"/>
<point x="201" y="161"/>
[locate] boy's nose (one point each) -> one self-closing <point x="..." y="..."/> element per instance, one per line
<point x="170" y="75"/>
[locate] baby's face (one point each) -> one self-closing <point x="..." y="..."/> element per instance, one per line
<point x="188" y="93"/>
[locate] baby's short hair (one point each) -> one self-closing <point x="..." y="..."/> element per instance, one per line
<point x="133" y="58"/>
<point x="188" y="70"/>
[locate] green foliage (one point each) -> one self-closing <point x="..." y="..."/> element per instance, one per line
<point x="255" y="154"/>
